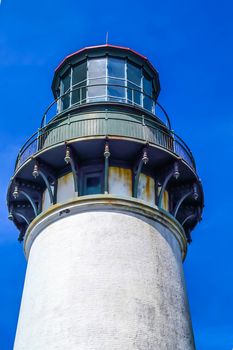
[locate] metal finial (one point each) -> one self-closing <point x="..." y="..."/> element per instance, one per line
<point x="10" y="216"/>
<point x="35" y="172"/>
<point x="176" y="173"/>
<point x="67" y="156"/>
<point x="195" y="192"/>
<point x="106" y="151"/>
<point x="16" y="192"/>
<point x="145" y="158"/>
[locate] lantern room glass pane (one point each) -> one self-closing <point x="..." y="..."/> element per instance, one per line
<point x="116" y="67"/>
<point x="66" y="101"/>
<point x="134" y="78"/>
<point x="116" y="89"/>
<point x="106" y="79"/>
<point x="147" y="88"/>
<point x="133" y="94"/>
<point x="134" y="74"/>
<point x="97" y="92"/>
<point x="79" y="93"/>
<point x="116" y="79"/>
<point x="79" y="82"/>
<point x="66" y="82"/>
<point x="97" y="68"/>
<point x="79" y="73"/>
<point x="96" y="73"/>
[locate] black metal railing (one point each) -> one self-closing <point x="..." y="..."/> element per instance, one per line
<point x="103" y="123"/>
<point x="83" y="94"/>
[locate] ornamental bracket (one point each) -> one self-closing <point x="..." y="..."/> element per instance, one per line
<point x="193" y="192"/>
<point x="174" y="172"/>
<point x="17" y="191"/>
<point x="142" y="161"/>
<point x="107" y="155"/>
<point x="41" y="170"/>
<point x="70" y="158"/>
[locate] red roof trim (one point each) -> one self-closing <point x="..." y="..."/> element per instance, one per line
<point x="99" y="46"/>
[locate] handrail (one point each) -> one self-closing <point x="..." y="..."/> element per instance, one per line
<point x="172" y="141"/>
<point x="142" y="93"/>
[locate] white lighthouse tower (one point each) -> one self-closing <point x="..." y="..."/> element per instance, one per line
<point x="105" y="196"/>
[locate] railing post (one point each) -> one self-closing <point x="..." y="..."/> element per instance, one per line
<point x="38" y="139"/>
<point x="106" y="167"/>
<point x="18" y="161"/>
<point x="106" y="122"/>
<point x="144" y="128"/>
<point x="68" y="123"/>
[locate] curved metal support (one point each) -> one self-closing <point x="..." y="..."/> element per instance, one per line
<point x="192" y="216"/>
<point x="143" y="160"/>
<point x="74" y="172"/>
<point x="33" y="204"/>
<point x="136" y="179"/>
<point x="168" y="177"/>
<point x="174" y="172"/>
<point x="178" y="204"/>
<point x="21" y="235"/>
<point x="69" y="160"/>
<point x="106" y="167"/>
<point x="51" y="195"/>
<point x="188" y="236"/>
<point x="22" y="216"/>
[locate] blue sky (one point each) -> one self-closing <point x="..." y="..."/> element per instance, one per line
<point x="190" y="44"/>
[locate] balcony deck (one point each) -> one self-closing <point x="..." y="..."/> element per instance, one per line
<point x="112" y="122"/>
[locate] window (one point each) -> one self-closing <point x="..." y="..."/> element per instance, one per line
<point x="65" y="89"/>
<point x="106" y="78"/>
<point x="96" y="74"/>
<point x="134" y="77"/>
<point x="66" y="82"/>
<point x="79" y="76"/>
<point x="116" y="79"/>
<point x="147" y="89"/>
<point x="92" y="183"/>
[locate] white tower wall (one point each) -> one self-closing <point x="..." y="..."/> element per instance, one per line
<point x="104" y="277"/>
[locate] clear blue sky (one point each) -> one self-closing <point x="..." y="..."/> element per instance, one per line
<point x="190" y="43"/>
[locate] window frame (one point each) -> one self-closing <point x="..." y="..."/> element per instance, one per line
<point x="87" y="171"/>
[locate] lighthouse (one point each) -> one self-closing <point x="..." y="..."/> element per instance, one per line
<point x="105" y="196"/>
